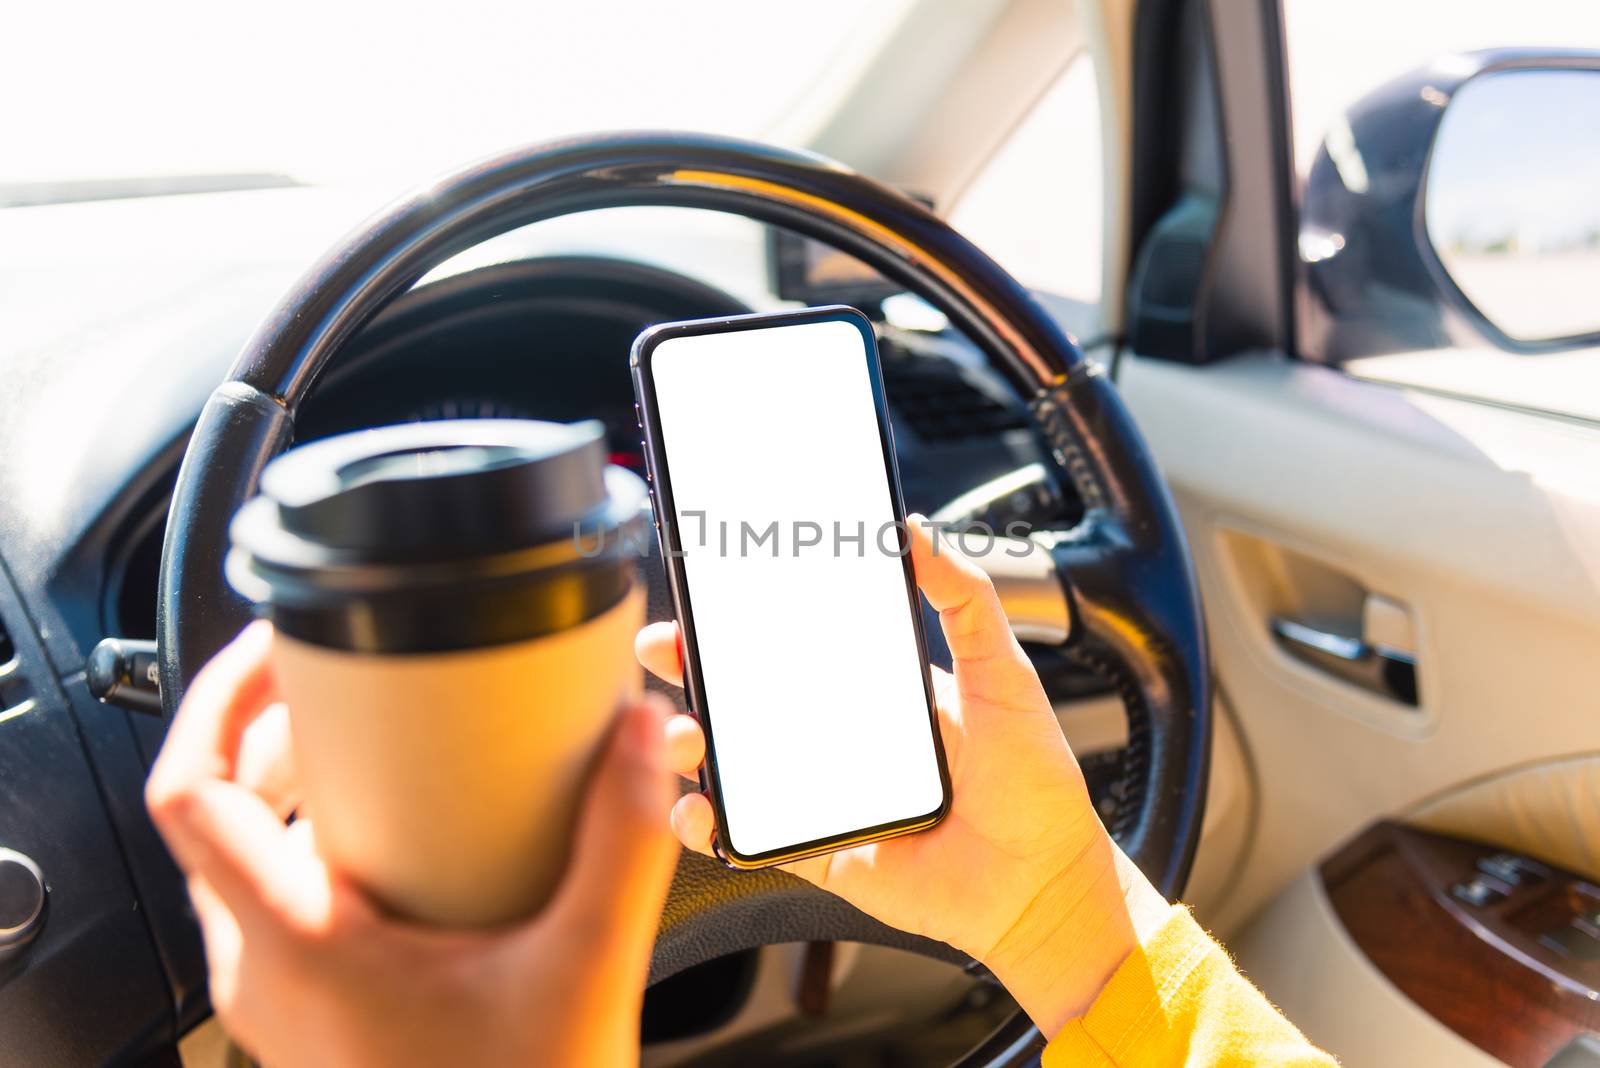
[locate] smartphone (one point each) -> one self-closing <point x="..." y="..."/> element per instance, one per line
<point x="772" y="473"/>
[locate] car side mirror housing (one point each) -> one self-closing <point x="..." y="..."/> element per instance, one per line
<point x="1457" y="206"/>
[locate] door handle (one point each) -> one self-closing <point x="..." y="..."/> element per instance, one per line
<point x="1379" y="668"/>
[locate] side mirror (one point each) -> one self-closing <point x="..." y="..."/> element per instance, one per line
<point x="1459" y="205"/>
<point x="1512" y="200"/>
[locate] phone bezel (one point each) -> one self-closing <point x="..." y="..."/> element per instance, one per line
<point x="660" y="480"/>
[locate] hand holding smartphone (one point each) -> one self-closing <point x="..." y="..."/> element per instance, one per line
<point x="778" y="506"/>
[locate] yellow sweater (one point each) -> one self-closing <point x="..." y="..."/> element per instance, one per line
<point x="1179" y="1001"/>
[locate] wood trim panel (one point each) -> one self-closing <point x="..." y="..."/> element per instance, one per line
<point x="1494" y="973"/>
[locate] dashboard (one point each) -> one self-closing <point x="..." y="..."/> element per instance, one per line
<point x="89" y="449"/>
<point x="531" y="339"/>
<point x="548" y="338"/>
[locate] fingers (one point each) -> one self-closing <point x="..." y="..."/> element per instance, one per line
<point x="660" y="651"/>
<point x="622" y="857"/>
<point x="975" y="626"/>
<point x="685" y="745"/>
<point x="694" y="822"/>
<point x="658" y="648"/>
<point x="231" y="839"/>
<point x="225" y="697"/>
<point x="265" y="764"/>
<point x="219" y="831"/>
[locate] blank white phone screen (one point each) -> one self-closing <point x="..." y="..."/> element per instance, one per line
<point x="809" y="659"/>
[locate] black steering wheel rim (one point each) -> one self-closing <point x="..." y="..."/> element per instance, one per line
<point x="1131" y="586"/>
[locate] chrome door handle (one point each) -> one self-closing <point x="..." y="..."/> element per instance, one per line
<point x="1378" y="668"/>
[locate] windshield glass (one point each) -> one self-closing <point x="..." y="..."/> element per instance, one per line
<point x="389" y="93"/>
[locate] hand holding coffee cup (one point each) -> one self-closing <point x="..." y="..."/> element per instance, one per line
<point x="454" y="609"/>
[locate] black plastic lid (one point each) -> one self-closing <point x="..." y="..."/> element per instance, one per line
<point x="438" y="536"/>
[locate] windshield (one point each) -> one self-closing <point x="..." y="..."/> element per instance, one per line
<point x="307" y="91"/>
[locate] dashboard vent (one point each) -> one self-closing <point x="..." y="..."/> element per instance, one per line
<point x="942" y="406"/>
<point x="14" y="700"/>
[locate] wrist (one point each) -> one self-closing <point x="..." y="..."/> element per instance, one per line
<point x="1075" y="934"/>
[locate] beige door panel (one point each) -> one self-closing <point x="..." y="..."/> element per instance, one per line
<point x="1550" y="811"/>
<point x="1271" y="576"/>
<point x="1483" y="523"/>
<point x="1229" y="820"/>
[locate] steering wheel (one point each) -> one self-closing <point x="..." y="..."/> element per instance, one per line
<point x="1120" y="580"/>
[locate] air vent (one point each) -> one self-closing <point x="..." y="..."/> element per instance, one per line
<point x="941" y="405"/>
<point x="14" y="699"/>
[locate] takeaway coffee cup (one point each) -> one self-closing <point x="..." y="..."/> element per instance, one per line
<point x="454" y="606"/>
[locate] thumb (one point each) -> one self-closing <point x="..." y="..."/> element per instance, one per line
<point x="989" y="664"/>
<point x="974" y="624"/>
<point x="623" y="853"/>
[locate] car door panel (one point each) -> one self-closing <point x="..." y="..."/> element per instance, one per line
<point x="1485" y="521"/>
<point x="1549" y="810"/>
<point x="1483" y="524"/>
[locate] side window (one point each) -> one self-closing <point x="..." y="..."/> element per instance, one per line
<point x="1037" y="205"/>
<point x="1449" y="236"/>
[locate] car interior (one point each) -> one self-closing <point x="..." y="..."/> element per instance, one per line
<point x="1287" y="344"/>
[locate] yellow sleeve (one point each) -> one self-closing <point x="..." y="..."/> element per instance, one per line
<point x="1180" y="1001"/>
